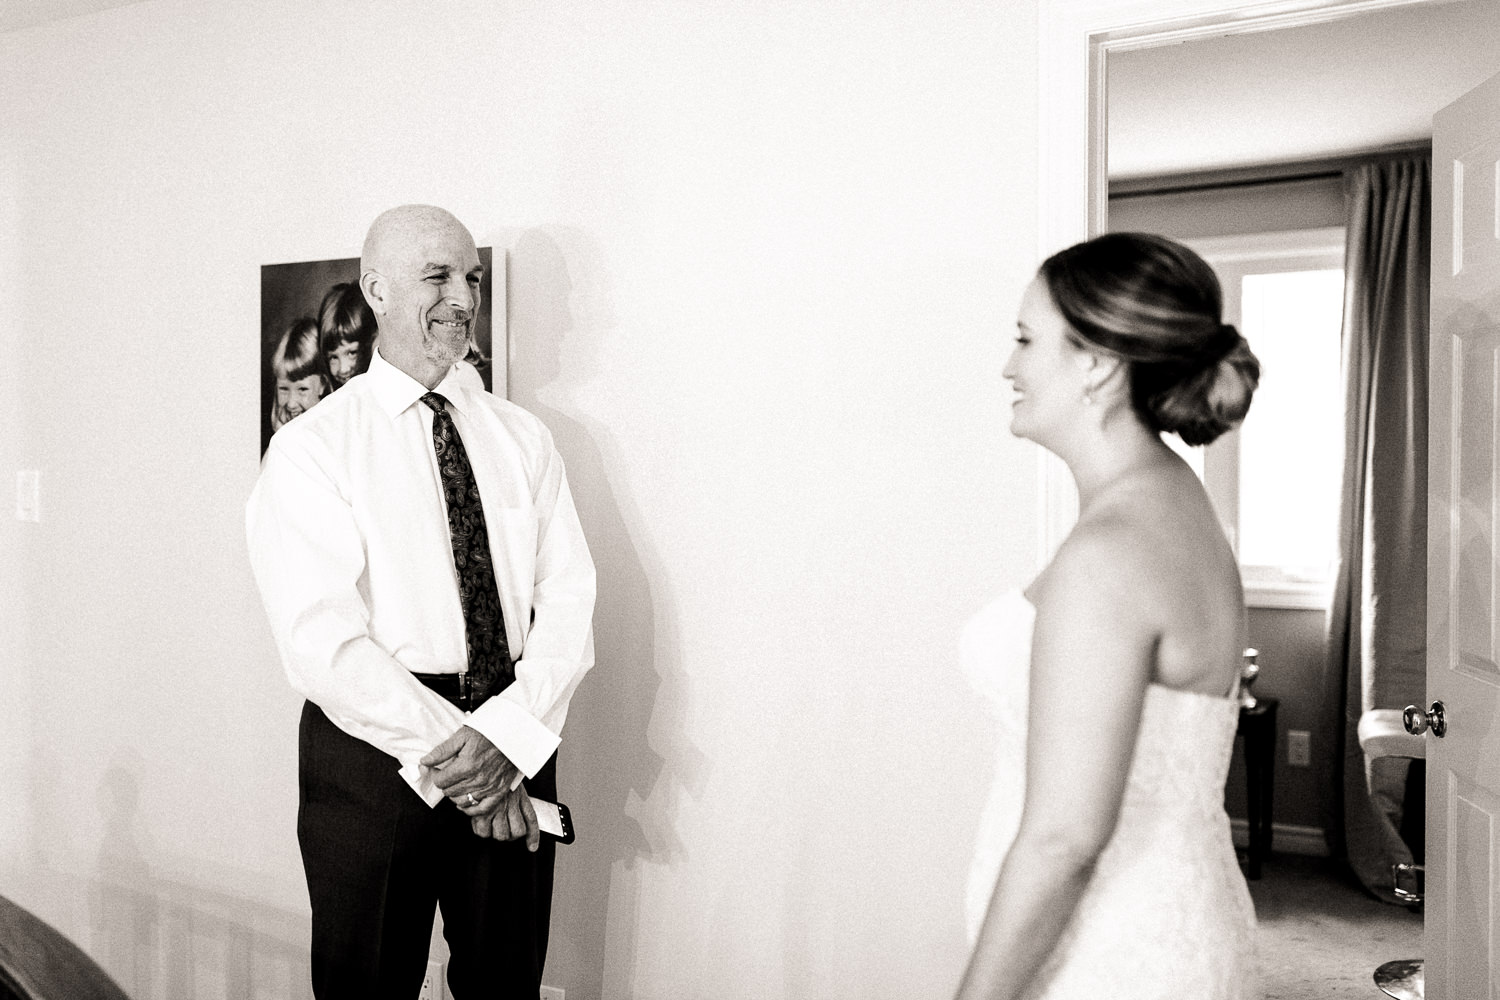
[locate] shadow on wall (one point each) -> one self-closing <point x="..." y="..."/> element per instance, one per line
<point x="625" y="760"/>
<point x="164" y="939"/>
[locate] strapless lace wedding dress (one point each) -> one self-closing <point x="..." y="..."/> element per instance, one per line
<point x="1166" y="915"/>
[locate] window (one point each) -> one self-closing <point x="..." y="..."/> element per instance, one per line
<point x="1276" y="480"/>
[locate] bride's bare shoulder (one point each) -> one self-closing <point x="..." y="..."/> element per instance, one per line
<point x="1103" y="562"/>
<point x="1130" y="552"/>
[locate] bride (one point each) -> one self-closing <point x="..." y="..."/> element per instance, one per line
<point x="1105" y="867"/>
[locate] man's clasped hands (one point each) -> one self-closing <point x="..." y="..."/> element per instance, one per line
<point x="485" y="786"/>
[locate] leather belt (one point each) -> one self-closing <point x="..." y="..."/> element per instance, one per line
<point x="455" y="687"/>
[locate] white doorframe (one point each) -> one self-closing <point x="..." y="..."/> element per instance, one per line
<point x="1075" y="39"/>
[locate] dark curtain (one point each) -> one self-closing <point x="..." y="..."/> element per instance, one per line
<point x="1377" y="623"/>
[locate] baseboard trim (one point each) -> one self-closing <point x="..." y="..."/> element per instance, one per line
<point x="1285" y="838"/>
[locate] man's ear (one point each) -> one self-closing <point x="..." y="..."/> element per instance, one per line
<point x="375" y="289"/>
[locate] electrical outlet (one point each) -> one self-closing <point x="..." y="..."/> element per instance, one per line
<point x="1298" y="748"/>
<point x="432" y="983"/>
<point x="553" y="993"/>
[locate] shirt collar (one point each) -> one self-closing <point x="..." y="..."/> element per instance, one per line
<point x="394" y="390"/>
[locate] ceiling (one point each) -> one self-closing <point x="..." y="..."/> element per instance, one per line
<point x="17" y="14"/>
<point x="1323" y="90"/>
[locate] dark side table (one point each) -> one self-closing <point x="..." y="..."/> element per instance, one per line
<point x="1258" y="727"/>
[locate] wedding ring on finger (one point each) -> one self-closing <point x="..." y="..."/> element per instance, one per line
<point x="472" y="800"/>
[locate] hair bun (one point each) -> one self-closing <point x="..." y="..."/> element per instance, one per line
<point x="1157" y="305"/>
<point x="1203" y="404"/>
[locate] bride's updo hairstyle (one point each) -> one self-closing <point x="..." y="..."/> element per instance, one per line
<point x="1157" y="305"/>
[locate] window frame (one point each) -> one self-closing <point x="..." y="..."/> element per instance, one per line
<point x="1233" y="257"/>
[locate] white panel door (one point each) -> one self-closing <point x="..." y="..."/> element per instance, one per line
<point x="1463" y="660"/>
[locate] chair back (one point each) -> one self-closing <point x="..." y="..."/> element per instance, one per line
<point x="38" y="963"/>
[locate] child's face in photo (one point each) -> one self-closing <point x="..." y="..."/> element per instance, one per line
<point x="343" y="360"/>
<point x="296" y="397"/>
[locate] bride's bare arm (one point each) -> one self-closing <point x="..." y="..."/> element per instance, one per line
<point x="1092" y="655"/>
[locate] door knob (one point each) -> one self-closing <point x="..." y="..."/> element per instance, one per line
<point x="1414" y="894"/>
<point x="1418" y="722"/>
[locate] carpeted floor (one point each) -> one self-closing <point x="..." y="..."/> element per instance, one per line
<point x="1321" y="935"/>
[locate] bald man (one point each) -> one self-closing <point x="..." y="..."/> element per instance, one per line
<point x="430" y="593"/>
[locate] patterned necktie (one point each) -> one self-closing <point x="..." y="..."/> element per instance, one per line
<point x="490" y="666"/>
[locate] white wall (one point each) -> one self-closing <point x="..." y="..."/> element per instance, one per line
<point x="764" y="266"/>
<point x="1314" y="203"/>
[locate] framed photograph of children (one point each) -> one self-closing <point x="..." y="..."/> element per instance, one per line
<point x="317" y="332"/>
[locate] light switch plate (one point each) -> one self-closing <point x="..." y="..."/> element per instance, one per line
<point x="29" y="495"/>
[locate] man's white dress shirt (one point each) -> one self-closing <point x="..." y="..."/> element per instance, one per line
<point x="349" y="542"/>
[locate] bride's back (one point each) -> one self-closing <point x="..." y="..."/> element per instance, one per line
<point x="1186" y="572"/>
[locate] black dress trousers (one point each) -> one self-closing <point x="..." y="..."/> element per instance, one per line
<point x="377" y="859"/>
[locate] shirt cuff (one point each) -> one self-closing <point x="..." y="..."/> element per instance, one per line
<point x="420" y="780"/>
<point x="525" y="742"/>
